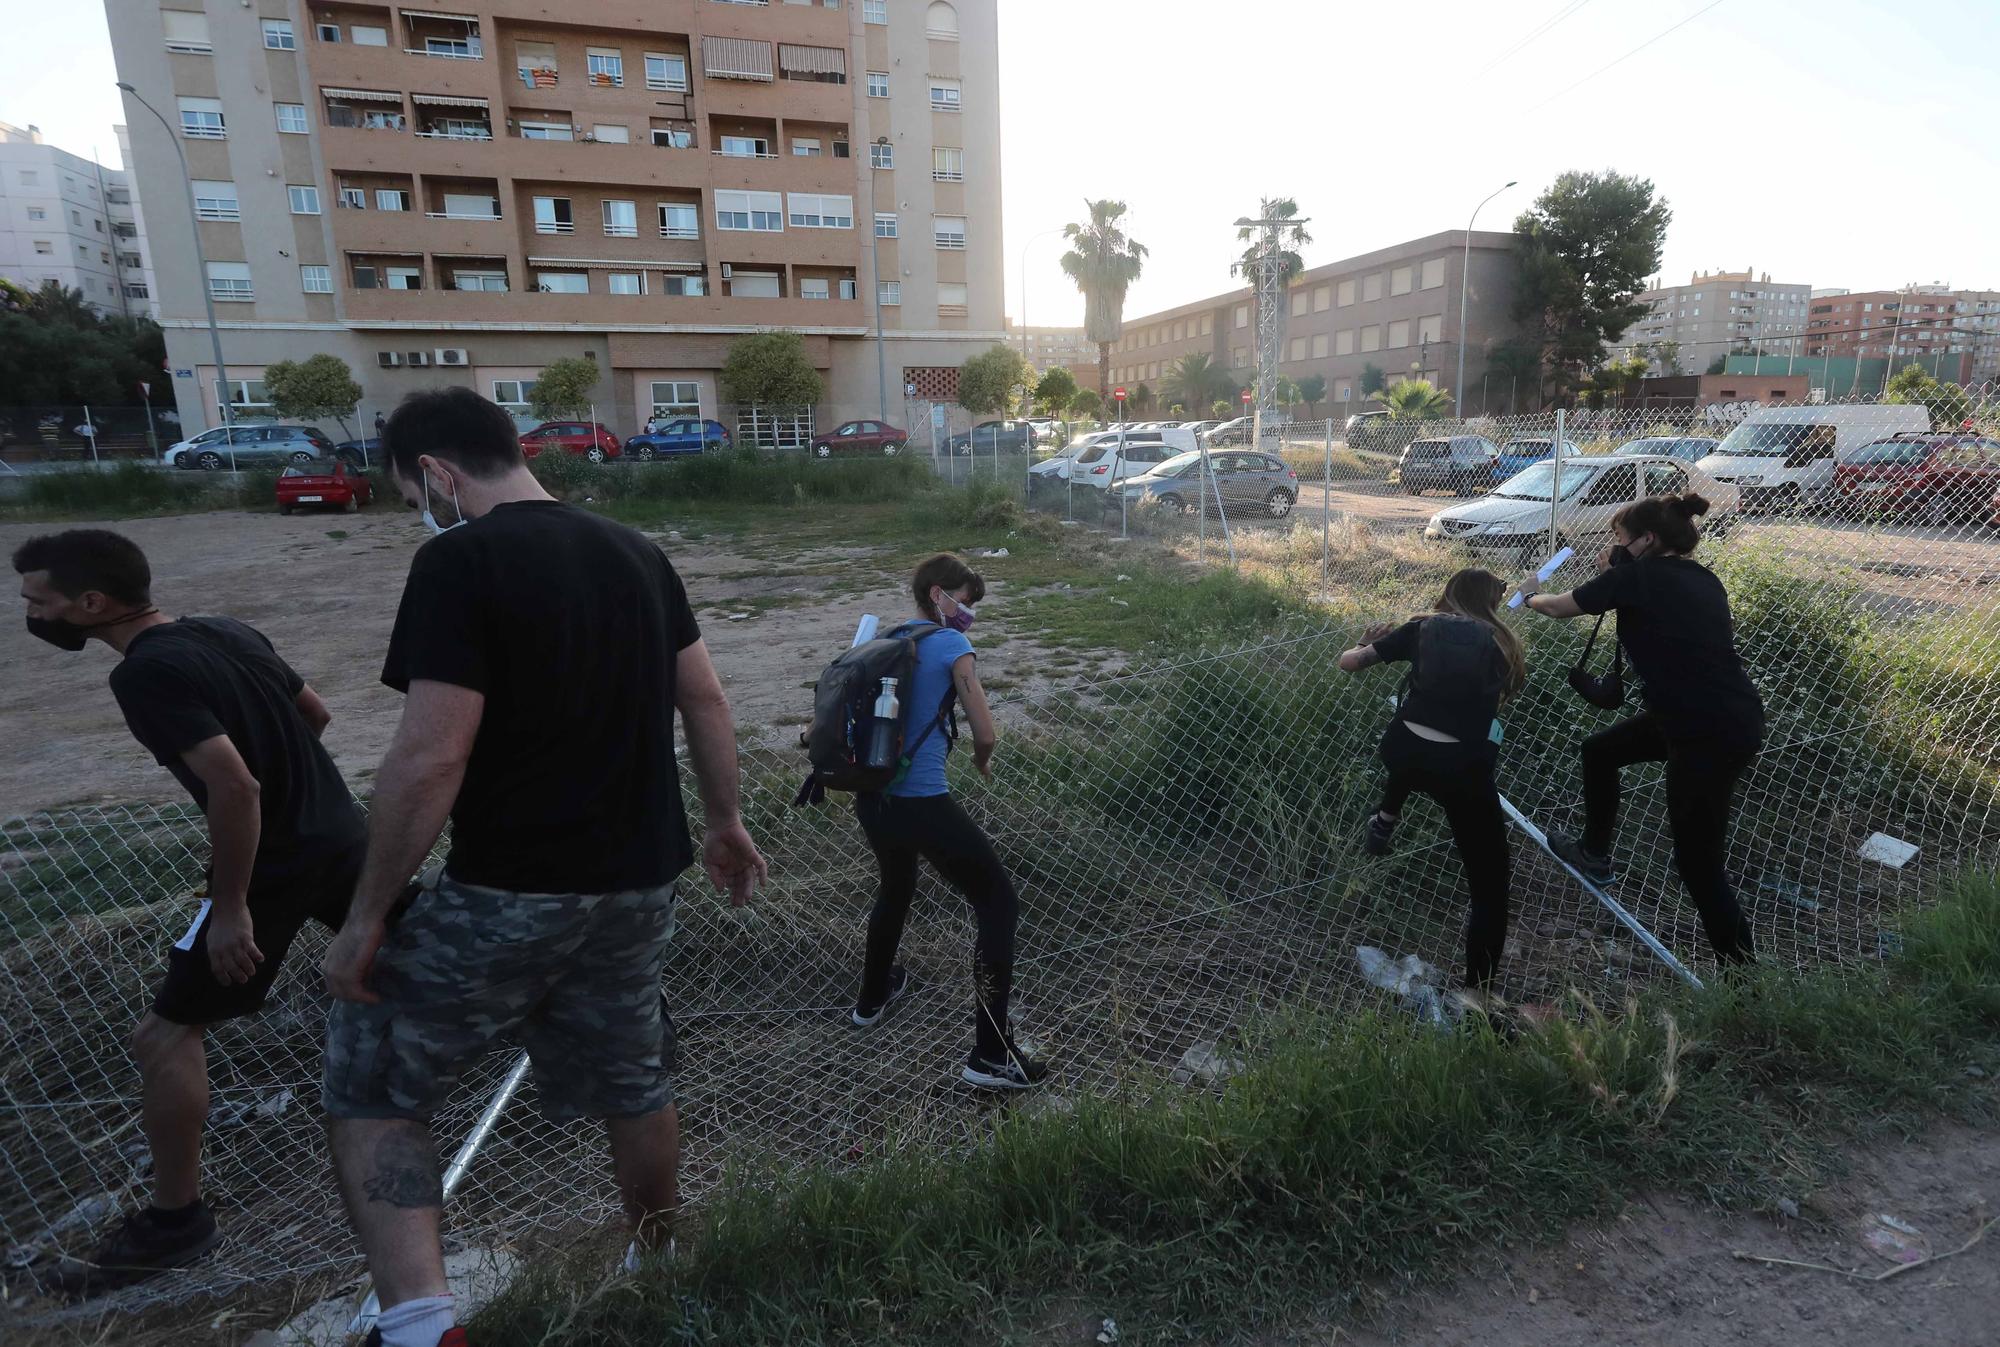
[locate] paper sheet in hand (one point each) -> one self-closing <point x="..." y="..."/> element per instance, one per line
<point x="1549" y="568"/>
<point x="186" y="942"/>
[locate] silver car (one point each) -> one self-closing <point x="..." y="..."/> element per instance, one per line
<point x="1246" y="481"/>
<point x="1514" y="519"/>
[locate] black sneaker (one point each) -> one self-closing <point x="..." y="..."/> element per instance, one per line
<point x="1597" y="869"/>
<point x="1016" y="1073"/>
<point x="867" y="1017"/>
<point x="1381" y="835"/>
<point x="142" y="1246"/>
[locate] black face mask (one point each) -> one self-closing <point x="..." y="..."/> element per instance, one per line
<point x="72" y="636"/>
<point x="1621" y="554"/>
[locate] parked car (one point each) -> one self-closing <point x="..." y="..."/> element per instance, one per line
<point x="1939" y="478"/>
<point x="1514" y="519"/>
<point x="1200" y="428"/>
<point x="1522" y="450"/>
<point x="989" y="437"/>
<point x="1366" y="430"/>
<point x="861" y="437"/>
<point x="1245" y="480"/>
<point x="684" y="435"/>
<point x="1462" y="464"/>
<point x="1993" y="518"/>
<point x="1055" y="469"/>
<point x="586" y="438"/>
<point x="250" y="447"/>
<point x="1236" y="431"/>
<point x="1784" y="457"/>
<point x="329" y="482"/>
<point x="1050" y="432"/>
<point x="361" y="453"/>
<point x="1102" y="464"/>
<point x="1686" y="448"/>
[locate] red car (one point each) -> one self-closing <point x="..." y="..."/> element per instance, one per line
<point x="323" y="482"/>
<point x="587" y="438"/>
<point x="1934" y="476"/>
<point x="860" y="437"/>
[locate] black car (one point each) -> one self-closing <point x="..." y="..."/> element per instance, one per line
<point x="990" y="437"/>
<point x="1465" y="465"/>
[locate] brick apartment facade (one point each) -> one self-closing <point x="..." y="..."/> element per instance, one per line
<point x="1962" y="327"/>
<point x="462" y="195"/>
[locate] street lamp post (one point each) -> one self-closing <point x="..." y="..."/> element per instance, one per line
<point x="201" y="261"/>
<point x="875" y="265"/>
<point x="1464" y="286"/>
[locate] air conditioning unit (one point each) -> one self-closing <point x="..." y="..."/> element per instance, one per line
<point x="389" y="359"/>
<point x="416" y="360"/>
<point x="452" y="355"/>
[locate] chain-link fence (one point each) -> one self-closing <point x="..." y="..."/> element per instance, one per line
<point x="1184" y="833"/>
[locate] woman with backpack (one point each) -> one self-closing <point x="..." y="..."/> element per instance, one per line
<point x="1444" y="742"/>
<point x="915" y="817"/>
<point x="1703" y="716"/>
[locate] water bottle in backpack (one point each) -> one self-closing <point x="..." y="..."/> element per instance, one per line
<point x="884" y="728"/>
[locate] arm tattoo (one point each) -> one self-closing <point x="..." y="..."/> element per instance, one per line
<point x="403" y="1170"/>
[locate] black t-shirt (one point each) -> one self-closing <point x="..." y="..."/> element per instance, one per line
<point x="1673" y="620"/>
<point x="182" y="683"/>
<point x="570" y="626"/>
<point x="1467" y="717"/>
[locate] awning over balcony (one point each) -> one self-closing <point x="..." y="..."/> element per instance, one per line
<point x="364" y="96"/>
<point x="449" y="101"/>
<point x="614" y="264"/>
<point x="812" y="60"/>
<point x="449" y="18"/>
<point x="736" y="58"/>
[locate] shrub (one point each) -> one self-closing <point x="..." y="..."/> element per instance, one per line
<point x="129" y="488"/>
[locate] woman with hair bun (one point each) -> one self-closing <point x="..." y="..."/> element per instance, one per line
<point x="1703" y="716"/>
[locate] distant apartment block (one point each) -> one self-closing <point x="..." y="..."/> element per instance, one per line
<point x="462" y="196"/>
<point x="68" y="219"/>
<point x="1720" y="312"/>
<point x="1926" y="321"/>
<point x="1047" y="347"/>
<point x="1396" y="309"/>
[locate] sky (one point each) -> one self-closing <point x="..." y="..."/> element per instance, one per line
<point x="1780" y="134"/>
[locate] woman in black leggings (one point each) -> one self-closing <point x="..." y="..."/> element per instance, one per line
<point x="1464" y="663"/>
<point x="1703" y="717"/>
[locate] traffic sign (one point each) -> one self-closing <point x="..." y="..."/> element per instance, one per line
<point x="1118" y="393"/>
<point x="1246" y="397"/>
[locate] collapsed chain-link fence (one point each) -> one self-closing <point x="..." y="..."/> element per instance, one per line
<point x="1183" y="830"/>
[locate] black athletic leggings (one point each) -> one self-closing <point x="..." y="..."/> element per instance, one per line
<point x="1460" y="778"/>
<point x="901" y="829"/>
<point x="1701" y="778"/>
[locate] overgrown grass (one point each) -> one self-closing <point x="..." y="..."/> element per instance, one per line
<point x="1351" y="1151"/>
<point x="127" y="489"/>
<point x="736" y="477"/>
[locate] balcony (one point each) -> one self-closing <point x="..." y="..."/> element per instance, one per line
<point x="454" y="37"/>
<point x="452" y="117"/>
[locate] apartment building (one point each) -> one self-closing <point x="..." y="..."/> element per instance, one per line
<point x="1048" y="347"/>
<point x="1923" y="321"/>
<point x="68" y="219"/>
<point x="1718" y="312"/>
<point x="1396" y="309"/>
<point x="463" y="196"/>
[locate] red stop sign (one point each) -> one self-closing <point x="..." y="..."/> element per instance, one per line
<point x="1118" y="394"/>
<point x="1246" y="396"/>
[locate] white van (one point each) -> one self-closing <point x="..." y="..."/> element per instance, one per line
<point x="1783" y="456"/>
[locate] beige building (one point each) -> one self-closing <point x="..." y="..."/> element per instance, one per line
<point x="1718" y="313"/>
<point x="462" y="195"/>
<point x="1396" y="309"/>
<point x="70" y="220"/>
<point x="1047" y="347"/>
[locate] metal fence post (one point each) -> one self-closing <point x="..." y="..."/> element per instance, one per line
<point x="1326" y="509"/>
<point x="1555" y="477"/>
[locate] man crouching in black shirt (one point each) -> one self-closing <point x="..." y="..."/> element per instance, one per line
<point x="209" y="697"/>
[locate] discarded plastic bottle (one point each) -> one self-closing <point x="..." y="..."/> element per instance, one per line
<point x="883" y="727"/>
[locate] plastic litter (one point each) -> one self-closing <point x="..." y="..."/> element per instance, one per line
<point x="1788" y="891"/>
<point x="1896" y="1240"/>
<point x="1205" y="1063"/>
<point x="1108" y="1334"/>
<point x="995" y="552"/>
<point x="1893" y="852"/>
<point x="1417" y="984"/>
<point x="1120" y="602"/>
<point x="1124" y="577"/>
<point x="1888" y="944"/>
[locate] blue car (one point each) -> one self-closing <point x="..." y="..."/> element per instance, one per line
<point x="685" y="436"/>
<point x="1524" y="451"/>
<point x="364" y="453"/>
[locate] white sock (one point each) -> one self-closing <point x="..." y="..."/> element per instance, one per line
<point x="417" y="1323"/>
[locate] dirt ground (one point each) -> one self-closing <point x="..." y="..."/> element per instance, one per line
<point x="324" y="588"/>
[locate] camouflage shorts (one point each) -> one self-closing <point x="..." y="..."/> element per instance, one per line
<point x="573" y="978"/>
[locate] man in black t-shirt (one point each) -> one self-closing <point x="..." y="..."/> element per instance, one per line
<point x="213" y="702"/>
<point x="543" y="652"/>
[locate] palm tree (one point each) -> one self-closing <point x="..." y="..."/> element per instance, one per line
<point x="1414" y="400"/>
<point x="1103" y="263"/>
<point x="1290" y="239"/>
<point x="60" y="304"/>
<point x="1195" y="380"/>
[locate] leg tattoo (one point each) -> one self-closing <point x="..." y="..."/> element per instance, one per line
<point x="403" y="1171"/>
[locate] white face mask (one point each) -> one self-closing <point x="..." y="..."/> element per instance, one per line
<point x="430" y="520"/>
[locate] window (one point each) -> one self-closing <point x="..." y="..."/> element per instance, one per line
<point x="1299" y="302"/>
<point x="1371" y="338"/>
<point x="941" y="22"/>
<point x="1399" y="333"/>
<point x="1207" y="324"/>
<point x="811" y="210"/>
<point x="683" y="285"/>
<point x="761" y="212"/>
<point x="889" y="292"/>
<point x="846" y="289"/>
<point x="806" y="147"/>
<point x="512" y="392"/>
<point x="552" y="215"/>
<point x="316" y="280"/>
<point x="216" y="201"/>
<point x="229" y="282"/>
<point x="137" y="290"/>
<point x="679" y="222"/>
<point x="746" y="147"/>
<point x="327" y="32"/>
<point x="404" y="278"/>
<point x="666" y="71"/>
<point x="606" y="67"/>
<point x="1431" y="328"/>
<point x="878" y="84"/>
<point x="1433" y="276"/>
<point x="535" y="63"/>
<point x="201" y="119"/>
<point x="353" y="198"/>
<point x="76" y="218"/>
<point x="676" y="399"/>
<point x="949" y="231"/>
<point x="367" y="35"/>
<point x="292" y="118"/>
<point x="1371" y="288"/>
<point x="278" y="35"/>
<point x="1242" y="315"/>
<point x="875" y="11"/>
<point x="305" y="200"/>
<point x="885" y="224"/>
<point x="494" y="282"/>
<point x="754" y="285"/>
<point x="626" y="283"/>
<point x="621" y="220"/>
<point x="37" y="213"/>
<point x="186" y="31"/>
<point x="392" y="198"/>
<point x="951" y="296"/>
<point x="30" y="178"/>
<point x="44" y="248"/>
<point x="470" y="206"/>
<point x="1322" y="298"/>
<point x="1298" y="349"/>
<point x="563" y="282"/>
<point x="1399" y="281"/>
<point x="947" y="164"/>
<point x="547" y="131"/>
<point x="1346" y="294"/>
<point x="881" y="156"/>
<point x="611" y="135"/>
<point x="814" y="287"/>
<point x="945" y="94"/>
